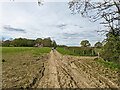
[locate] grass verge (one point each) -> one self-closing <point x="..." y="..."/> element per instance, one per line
<point x="111" y="65"/>
<point x="65" y="52"/>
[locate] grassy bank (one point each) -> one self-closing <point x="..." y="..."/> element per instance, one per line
<point x="111" y="65"/>
<point x="66" y="52"/>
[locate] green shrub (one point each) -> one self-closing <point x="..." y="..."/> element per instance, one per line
<point x="111" y="50"/>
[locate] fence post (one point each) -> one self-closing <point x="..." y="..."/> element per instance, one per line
<point x="92" y="52"/>
<point x="83" y="52"/>
<point x="98" y="55"/>
<point x="73" y="50"/>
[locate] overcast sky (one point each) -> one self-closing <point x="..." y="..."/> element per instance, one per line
<point x="52" y="19"/>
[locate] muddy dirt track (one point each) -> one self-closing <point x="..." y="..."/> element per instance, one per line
<point x="62" y="71"/>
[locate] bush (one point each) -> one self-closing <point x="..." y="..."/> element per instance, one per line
<point x="111" y="50"/>
<point x="3" y="60"/>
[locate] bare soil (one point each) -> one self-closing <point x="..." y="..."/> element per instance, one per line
<point x="59" y="71"/>
<point x="20" y="70"/>
<point x="65" y="71"/>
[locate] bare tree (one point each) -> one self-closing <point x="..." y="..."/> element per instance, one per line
<point x="107" y="10"/>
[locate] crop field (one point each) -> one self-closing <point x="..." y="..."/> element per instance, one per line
<point x="21" y="65"/>
<point x="6" y="50"/>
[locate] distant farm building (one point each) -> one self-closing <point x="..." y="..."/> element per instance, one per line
<point x="38" y="45"/>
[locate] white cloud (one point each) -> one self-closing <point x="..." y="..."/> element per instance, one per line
<point x="49" y="20"/>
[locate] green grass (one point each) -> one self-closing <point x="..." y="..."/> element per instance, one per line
<point x="40" y="50"/>
<point x="111" y="65"/>
<point x="65" y="52"/>
<point x="97" y="50"/>
<point x="6" y="50"/>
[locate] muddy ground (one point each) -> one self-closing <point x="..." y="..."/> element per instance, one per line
<point x="58" y="71"/>
<point x="21" y="70"/>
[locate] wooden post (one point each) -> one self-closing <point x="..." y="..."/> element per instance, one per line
<point x="83" y="52"/>
<point x="73" y="50"/>
<point x="92" y="52"/>
<point x="98" y="55"/>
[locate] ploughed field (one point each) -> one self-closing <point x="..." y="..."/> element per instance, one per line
<point x="31" y="67"/>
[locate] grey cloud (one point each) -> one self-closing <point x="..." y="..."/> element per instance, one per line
<point x="62" y="26"/>
<point x="78" y="26"/>
<point x="9" y="28"/>
<point x="65" y="38"/>
<point x="83" y="35"/>
<point x="71" y="34"/>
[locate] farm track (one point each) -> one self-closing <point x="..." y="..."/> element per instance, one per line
<point x="62" y="71"/>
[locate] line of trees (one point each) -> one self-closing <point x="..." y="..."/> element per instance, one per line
<point x="86" y="48"/>
<point x="108" y="12"/>
<point x="86" y="43"/>
<point x="23" y="42"/>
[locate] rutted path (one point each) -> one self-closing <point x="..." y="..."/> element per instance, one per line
<point x="49" y="79"/>
<point x="62" y="71"/>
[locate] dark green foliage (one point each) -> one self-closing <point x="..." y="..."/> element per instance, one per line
<point x="23" y="42"/>
<point x="54" y="43"/>
<point x="85" y="43"/>
<point x="47" y="42"/>
<point x="6" y="43"/>
<point x="111" y="50"/>
<point x="38" y="41"/>
<point x="98" y="45"/>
